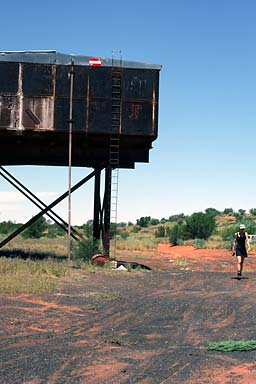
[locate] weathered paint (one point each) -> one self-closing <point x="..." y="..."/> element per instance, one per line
<point x="34" y="100"/>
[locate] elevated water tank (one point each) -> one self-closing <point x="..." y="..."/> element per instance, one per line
<point x="35" y="102"/>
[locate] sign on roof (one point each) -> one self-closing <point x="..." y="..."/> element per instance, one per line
<point x="95" y="61"/>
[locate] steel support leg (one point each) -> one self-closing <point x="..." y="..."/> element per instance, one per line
<point x="106" y="209"/>
<point x="97" y="207"/>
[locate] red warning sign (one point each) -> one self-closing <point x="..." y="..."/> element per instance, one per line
<point x="95" y="61"/>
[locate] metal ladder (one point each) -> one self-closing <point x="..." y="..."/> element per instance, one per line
<point x="114" y="145"/>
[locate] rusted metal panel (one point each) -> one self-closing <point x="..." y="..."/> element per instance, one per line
<point x="35" y="102"/>
<point x="37" y="80"/>
<point x="37" y="113"/>
<point x="37" y="97"/>
<point x="8" y="111"/>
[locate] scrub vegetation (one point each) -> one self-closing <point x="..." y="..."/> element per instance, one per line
<point x="36" y="260"/>
<point x="232" y="345"/>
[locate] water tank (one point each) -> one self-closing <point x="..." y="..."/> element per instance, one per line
<point x="35" y="102"/>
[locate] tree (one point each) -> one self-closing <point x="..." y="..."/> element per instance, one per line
<point x="144" y="221"/>
<point x="8" y="227"/>
<point x="88" y="228"/>
<point x="122" y="224"/>
<point x="154" y="222"/>
<point x="54" y="230"/>
<point x="212" y="211"/>
<point x="241" y="211"/>
<point x="252" y="211"/>
<point x="36" y="229"/>
<point x="173" y="218"/>
<point x="199" y="225"/>
<point x="228" y="210"/>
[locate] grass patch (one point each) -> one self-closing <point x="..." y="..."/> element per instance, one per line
<point x="137" y="242"/>
<point x="223" y="264"/>
<point x="29" y="276"/>
<point x="107" y="295"/>
<point x="119" y="341"/>
<point x="181" y="263"/>
<point x="38" y="276"/>
<point x="232" y="345"/>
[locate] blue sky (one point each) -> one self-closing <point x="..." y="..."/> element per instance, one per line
<point x="205" y="152"/>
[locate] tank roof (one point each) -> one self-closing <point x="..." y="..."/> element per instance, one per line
<point x="54" y="57"/>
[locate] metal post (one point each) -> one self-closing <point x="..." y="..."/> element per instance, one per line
<point x="107" y="208"/>
<point x="97" y="206"/>
<point x="71" y="78"/>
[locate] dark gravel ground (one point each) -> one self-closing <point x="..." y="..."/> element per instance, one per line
<point x="125" y="328"/>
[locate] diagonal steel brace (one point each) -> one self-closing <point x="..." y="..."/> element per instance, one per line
<point x="39" y="203"/>
<point x="45" y="210"/>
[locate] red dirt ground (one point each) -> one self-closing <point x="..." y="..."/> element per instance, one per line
<point x="113" y="327"/>
<point x="203" y="259"/>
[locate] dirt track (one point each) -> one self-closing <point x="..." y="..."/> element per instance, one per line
<point x="140" y="327"/>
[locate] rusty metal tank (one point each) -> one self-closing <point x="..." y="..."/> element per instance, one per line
<point x="35" y="102"/>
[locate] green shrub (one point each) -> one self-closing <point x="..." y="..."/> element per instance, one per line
<point x="176" y="234"/>
<point x="252" y="211"/>
<point x="136" y="228"/>
<point x="212" y="211"/>
<point x="36" y="229"/>
<point x="144" y="221"/>
<point x="232" y="345"/>
<point x="160" y="232"/>
<point x="199" y="243"/>
<point x="154" y="221"/>
<point x="123" y="234"/>
<point x="228" y="233"/>
<point x="86" y="249"/>
<point x="199" y="225"/>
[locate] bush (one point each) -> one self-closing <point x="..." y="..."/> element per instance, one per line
<point x="8" y="227"/>
<point x="136" y="229"/>
<point x="199" y="243"/>
<point x="228" y="233"/>
<point x="232" y="345"/>
<point x="54" y="230"/>
<point x="86" y="249"/>
<point x="199" y="225"/>
<point x="154" y="222"/>
<point x="123" y="234"/>
<point x="174" y="218"/>
<point x="176" y="234"/>
<point x="36" y="229"/>
<point x="228" y="210"/>
<point x="160" y="232"/>
<point x="212" y="211"/>
<point x="143" y="221"/>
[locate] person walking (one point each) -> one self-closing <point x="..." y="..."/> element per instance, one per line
<point x="240" y="248"/>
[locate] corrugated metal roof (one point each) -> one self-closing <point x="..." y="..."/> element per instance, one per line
<point x="54" y="57"/>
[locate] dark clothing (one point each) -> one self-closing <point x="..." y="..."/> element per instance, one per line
<point x="240" y="245"/>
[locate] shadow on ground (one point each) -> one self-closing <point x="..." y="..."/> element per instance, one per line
<point x="21" y="254"/>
